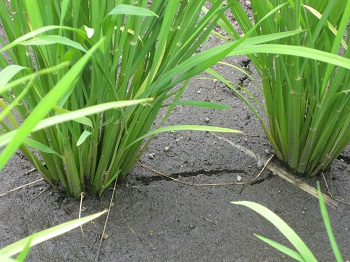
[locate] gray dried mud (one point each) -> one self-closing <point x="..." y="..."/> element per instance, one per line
<point x="157" y="219"/>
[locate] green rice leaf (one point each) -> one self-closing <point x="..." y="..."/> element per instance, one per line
<point x="6" y="138"/>
<point x="8" y="73"/>
<point x="283" y="227"/>
<point x="328" y="226"/>
<point x="293" y="50"/>
<point x="64" y="8"/>
<point x="82" y="137"/>
<point x="88" y="111"/>
<point x="53" y="39"/>
<point x="22" y="256"/>
<point x="262" y="39"/>
<point x="201" y="104"/>
<point x="19" y="81"/>
<point x="186" y="128"/>
<point x="82" y="120"/>
<point x="40" y="147"/>
<point x="289" y="252"/>
<point x="28" y="36"/>
<point x="6" y="109"/>
<point x="123" y="9"/>
<point x="47" y="234"/>
<point x="108" y="121"/>
<point x="7" y="259"/>
<point x="330" y="26"/>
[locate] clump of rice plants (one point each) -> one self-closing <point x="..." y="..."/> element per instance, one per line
<point x="139" y="51"/>
<point x="307" y="101"/>
<point x="33" y="122"/>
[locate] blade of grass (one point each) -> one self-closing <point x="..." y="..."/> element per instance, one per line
<point x="293" y="50"/>
<point x="184" y="128"/>
<point x="282" y="226"/>
<point x="22" y="256"/>
<point x="200" y="104"/>
<point x="47" y="234"/>
<point x="289" y="252"/>
<point x="328" y="226"/>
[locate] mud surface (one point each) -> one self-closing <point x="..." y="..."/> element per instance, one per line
<point x="154" y="218"/>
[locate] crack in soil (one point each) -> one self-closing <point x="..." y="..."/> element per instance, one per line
<point x="261" y="180"/>
<point x="148" y="180"/>
<point x="245" y="65"/>
<point x="258" y="181"/>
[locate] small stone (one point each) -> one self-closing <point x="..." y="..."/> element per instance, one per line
<point x="239" y="178"/>
<point x="207" y="119"/>
<point x="267" y="152"/>
<point x="303" y="212"/>
<point x="166" y="149"/>
<point x="40" y="188"/>
<point x="105" y="236"/>
<point x="259" y="164"/>
<point x="151" y="156"/>
<point x="178" y="139"/>
<point x="248" y="3"/>
<point x="191" y="226"/>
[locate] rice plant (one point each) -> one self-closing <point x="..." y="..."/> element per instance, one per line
<point x="307" y="100"/>
<point x="140" y="52"/>
<point x="16" y="137"/>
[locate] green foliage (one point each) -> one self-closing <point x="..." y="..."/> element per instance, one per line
<point x="307" y="101"/>
<point x="125" y="55"/>
<point x="302" y="252"/>
<point x="22" y="246"/>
